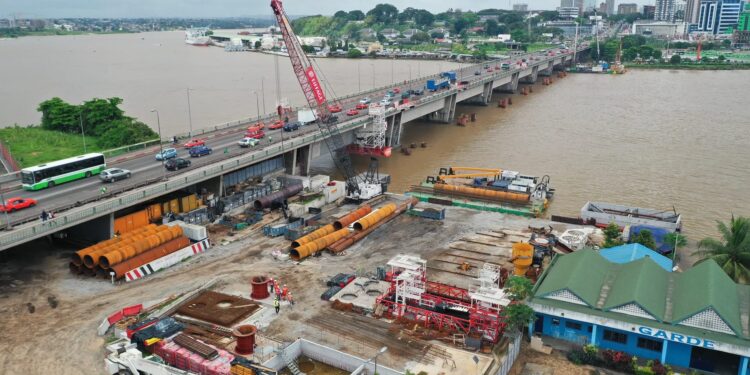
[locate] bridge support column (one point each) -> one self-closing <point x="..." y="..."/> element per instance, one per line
<point x="546" y="72"/>
<point x="99" y="229"/>
<point x="533" y="76"/>
<point x="304" y="158"/>
<point x="290" y="161"/>
<point x="511" y="86"/>
<point x="448" y="112"/>
<point x="393" y="134"/>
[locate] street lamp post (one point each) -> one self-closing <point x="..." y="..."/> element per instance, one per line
<point x="373" y="75"/>
<point x="83" y="134"/>
<point x="263" y="93"/>
<point x="161" y="148"/>
<point x="375" y="359"/>
<point x="392" y="60"/>
<point x="190" y="114"/>
<point x="359" y="78"/>
<point x="257" y="103"/>
<point x="2" y="202"/>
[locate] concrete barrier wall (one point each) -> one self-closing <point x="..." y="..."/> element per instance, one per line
<point x="329" y="356"/>
<point x="510" y="356"/>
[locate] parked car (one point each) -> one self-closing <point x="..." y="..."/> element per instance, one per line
<point x="278" y="124"/>
<point x="292" y="126"/>
<point x="176" y="163"/>
<point x="352" y="112"/>
<point x="114" y="174"/>
<point x="249" y="142"/>
<point x="258" y="134"/>
<point x="15" y="204"/>
<point x="199" y="151"/>
<point x="334" y="108"/>
<point x="195" y="143"/>
<point x="361" y="106"/>
<point x="366" y="100"/>
<point x="167" y="153"/>
<point x="332" y="119"/>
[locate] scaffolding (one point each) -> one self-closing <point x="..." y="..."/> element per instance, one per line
<point x="444" y="307"/>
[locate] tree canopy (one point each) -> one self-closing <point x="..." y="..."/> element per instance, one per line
<point x="732" y="253"/>
<point x="383" y="13"/>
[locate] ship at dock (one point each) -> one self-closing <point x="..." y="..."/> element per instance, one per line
<point x="197" y="36"/>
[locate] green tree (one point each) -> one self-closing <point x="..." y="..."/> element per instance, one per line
<point x="459" y="25"/>
<point x="726" y="43"/>
<point x="675" y="240"/>
<point x="612" y="236"/>
<point x="722" y="58"/>
<point x="421" y="37"/>
<point x="308" y="49"/>
<point x="354" y="53"/>
<point x="424" y="18"/>
<point x="356" y="15"/>
<point x="675" y="59"/>
<point x="645" y="238"/>
<point x="491" y="28"/>
<point x="437" y="35"/>
<point x="517" y="315"/>
<point x="257" y="44"/>
<point x="99" y="113"/>
<point x="384" y="13"/>
<point x="519" y="287"/>
<point x="733" y="252"/>
<point x="656" y="55"/>
<point x="341" y="14"/>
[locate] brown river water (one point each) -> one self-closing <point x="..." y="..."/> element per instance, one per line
<point x="648" y="138"/>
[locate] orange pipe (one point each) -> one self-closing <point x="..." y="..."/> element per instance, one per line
<point x="313" y="247"/>
<point x="149" y="256"/>
<point x="318" y="233"/>
<point x="78" y="255"/>
<point x="349" y="240"/>
<point x="164" y="235"/>
<point x="136" y="240"/>
<point x="374" y="217"/>
<point x="352" y="217"/>
<point x="483" y="193"/>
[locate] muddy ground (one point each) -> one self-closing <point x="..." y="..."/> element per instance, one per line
<point x="49" y="316"/>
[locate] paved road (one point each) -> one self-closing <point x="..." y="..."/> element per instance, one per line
<point x="145" y="167"/>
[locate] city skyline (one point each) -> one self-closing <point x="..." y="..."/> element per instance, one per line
<point x="236" y="8"/>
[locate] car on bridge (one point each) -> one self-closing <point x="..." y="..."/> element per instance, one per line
<point x="332" y="119"/>
<point x="386" y="102"/>
<point x="477" y="72"/>
<point x="177" y="163"/>
<point x="334" y="108"/>
<point x="417" y="92"/>
<point x="195" y="143"/>
<point x="258" y="134"/>
<point x="366" y="100"/>
<point x="352" y="112"/>
<point x="114" y="174"/>
<point x="256" y="127"/>
<point x="292" y="126"/>
<point x="361" y="105"/>
<point x="248" y="142"/>
<point x="167" y="153"/>
<point x="15" y="204"/>
<point x="396" y="90"/>
<point x="199" y="151"/>
<point x="278" y="124"/>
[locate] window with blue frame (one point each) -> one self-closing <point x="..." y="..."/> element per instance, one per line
<point x="573" y="325"/>
<point x="649" y="344"/>
<point x="620" y="338"/>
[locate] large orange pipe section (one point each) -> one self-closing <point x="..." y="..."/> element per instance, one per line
<point x="320" y="244"/>
<point x="352" y="217"/>
<point x="378" y="215"/>
<point x="78" y="255"/>
<point x="349" y="240"/>
<point x="483" y="193"/>
<point x="522" y="257"/>
<point x="318" y="233"/>
<point x="91" y="259"/>
<point x="162" y="236"/>
<point x="150" y="256"/>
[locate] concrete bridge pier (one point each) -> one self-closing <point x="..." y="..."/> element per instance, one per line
<point x="511" y="86"/>
<point x="531" y="78"/>
<point x="297" y="161"/>
<point x="546" y="72"/>
<point x="394" y="130"/>
<point x="447" y="113"/>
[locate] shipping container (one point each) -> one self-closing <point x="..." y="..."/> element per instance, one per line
<point x="154" y="212"/>
<point x="130" y="222"/>
<point x="174" y="206"/>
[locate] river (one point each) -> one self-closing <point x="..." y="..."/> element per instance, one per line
<point x="659" y="139"/>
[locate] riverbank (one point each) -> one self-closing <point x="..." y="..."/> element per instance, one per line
<point x="16" y="33"/>
<point x="690" y="66"/>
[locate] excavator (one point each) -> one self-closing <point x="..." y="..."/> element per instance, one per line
<point x="358" y="187"/>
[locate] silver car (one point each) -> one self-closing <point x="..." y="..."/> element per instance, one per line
<point x="114" y="174"/>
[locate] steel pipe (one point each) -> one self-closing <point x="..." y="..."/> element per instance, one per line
<point x="318" y="233"/>
<point x="352" y="217"/>
<point x="318" y="245"/>
<point x="267" y="201"/>
<point x="149" y="256"/>
<point x="375" y="216"/>
<point x="482" y="193"/>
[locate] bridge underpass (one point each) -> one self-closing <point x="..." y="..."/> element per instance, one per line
<point x="297" y="152"/>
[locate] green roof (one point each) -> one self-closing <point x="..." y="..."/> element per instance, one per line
<point x="669" y="297"/>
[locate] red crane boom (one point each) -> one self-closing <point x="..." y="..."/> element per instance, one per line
<point x="315" y="97"/>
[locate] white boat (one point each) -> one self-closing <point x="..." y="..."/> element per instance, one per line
<point x="197" y="36"/>
<point x="601" y="214"/>
<point x="575" y="239"/>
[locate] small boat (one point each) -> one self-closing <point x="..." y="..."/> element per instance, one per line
<point x="601" y="214"/>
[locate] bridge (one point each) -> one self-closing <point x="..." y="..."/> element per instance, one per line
<point x="83" y="211"/>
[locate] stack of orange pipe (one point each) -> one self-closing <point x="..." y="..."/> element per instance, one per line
<point x="318" y="245"/>
<point x="374" y="217"/>
<point x="148" y="256"/>
<point x="330" y="228"/>
<point x="318" y="233"/>
<point x="488" y="194"/>
<point x="163" y="235"/>
<point x="91" y="260"/>
<point x="77" y="258"/>
<point x="352" y="217"/>
<point x="349" y="240"/>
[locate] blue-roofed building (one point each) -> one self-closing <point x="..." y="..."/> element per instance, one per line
<point x="634" y="251"/>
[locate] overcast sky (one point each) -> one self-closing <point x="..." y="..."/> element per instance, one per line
<point x="237" y="8"/>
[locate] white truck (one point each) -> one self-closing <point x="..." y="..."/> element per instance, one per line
<point x="306" y="116"/>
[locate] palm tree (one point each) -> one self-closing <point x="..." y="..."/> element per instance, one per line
<point x="733" y="254"/>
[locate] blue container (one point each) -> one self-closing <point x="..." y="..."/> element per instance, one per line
<point x="658" y="233"/>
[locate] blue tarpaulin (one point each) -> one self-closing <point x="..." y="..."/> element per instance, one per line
<point x="634" y="251"/>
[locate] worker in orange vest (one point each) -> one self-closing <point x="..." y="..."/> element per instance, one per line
<point x="276" y="288"/>
<point x="284" y="292"/>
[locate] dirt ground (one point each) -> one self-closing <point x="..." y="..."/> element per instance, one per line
<point x="555" y="361"/>
<point x="60" y="335"/>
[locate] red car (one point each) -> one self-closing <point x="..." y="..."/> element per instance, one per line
<point x="361" y="106"/>
<point x="256" y="127"/>
<point x="352" y="112"/>
<point x="194" y="143"/>
<point x="396" y="90"/>
<point x="334" y="108"/>
<point x="258" y="134"/>
<point x="15" y="204"/>
<point x="278" y="124"/>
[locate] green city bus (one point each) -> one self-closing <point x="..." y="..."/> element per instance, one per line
<point x="61" y="171"/>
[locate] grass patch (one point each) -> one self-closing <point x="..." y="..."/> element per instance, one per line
<point x="32" y="146"/>
<point x="533" y="47"/>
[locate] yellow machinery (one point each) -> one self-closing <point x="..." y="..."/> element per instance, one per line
<point x="452" y="172"/>
<point x="522" y="257"/>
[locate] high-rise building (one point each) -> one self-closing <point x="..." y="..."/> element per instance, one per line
<point x="627" y="8"/>
<point x="664" y="10"/>
<point x="568" y="12"/>
<point x="649" y="11"/>
<point x="567" y="3"/>
<point x="719" y="16"/>
<point x="679" y="10"/>
<point x="692" y="9"/>
<point x="580" y="5"/>
<point x="602" y="8"/>
<point x="521" y="7"/>
<point x="743" y="24"/>
<point x="610" y="7"/>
